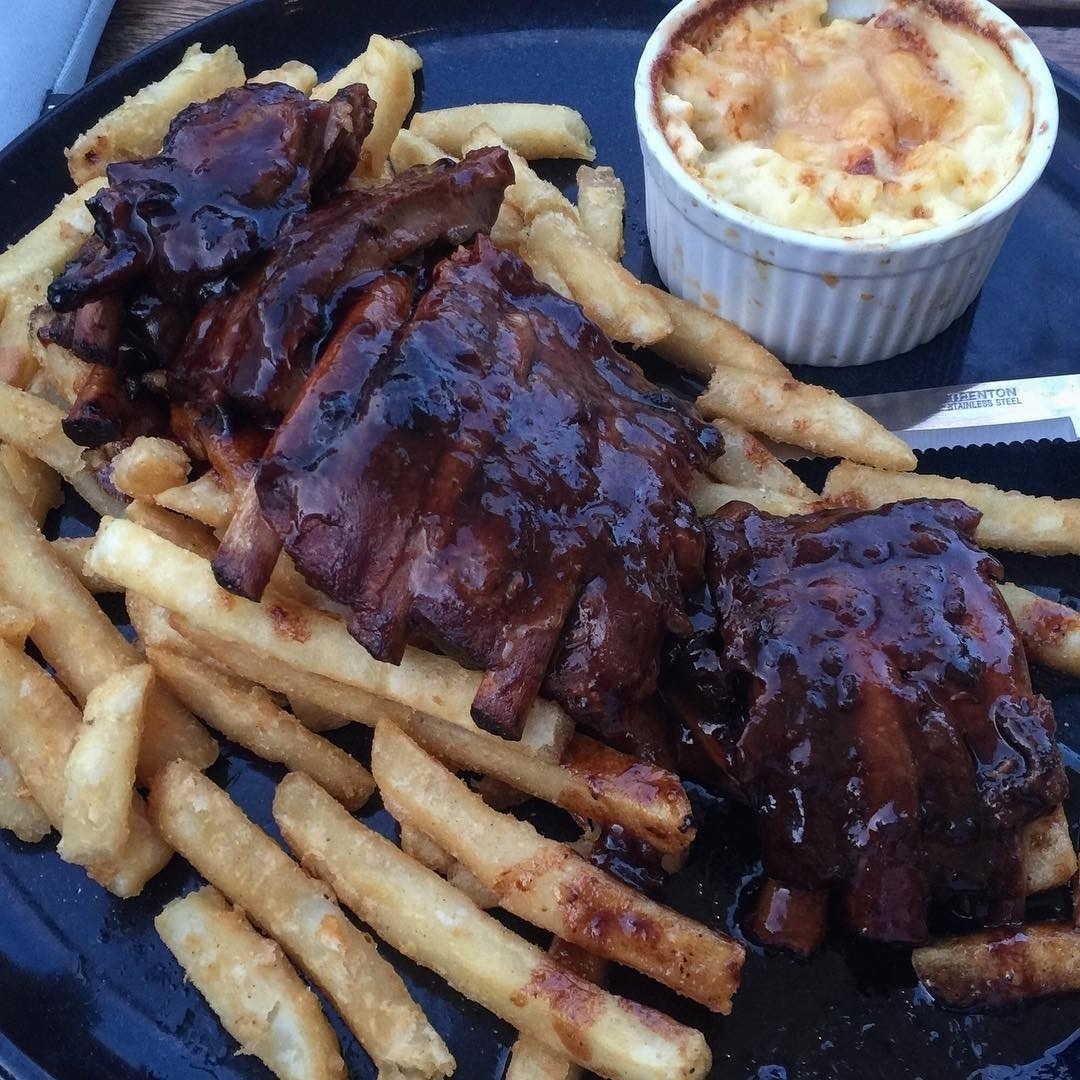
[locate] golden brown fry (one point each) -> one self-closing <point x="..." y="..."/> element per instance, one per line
<point x="136" y="128"/>
<point x="748" y="462"/>
<point x="37" y="484"/>
<point x="19" y="811"/>
<point x="287" y="634"/>
<point x="409" y="149"/>
<point x="78" y="639"/>
<point x="184" y="532"/>
<point x="71" y="551"/>
<point x="801" y="414"/>
<point x="1001" y="967"/>
<point x="593" y="781"/>
<point x="703" y="343"/>
<point x="232" y="853"/>
<point x="708" y="498"/>
<point x="149" y="466"/>
<point x="100" y="770"/>
<point x="1050" y="631"/>
<point x="425" y="851"/>
<point x="204" y="499"/>
<point x="244" y="713"/>
<point x="32" y="424"/>
<point x="251" y="986"/>
<point x="38" y="727"/>
<point x="314" y="717"/>
<point x="386" y="67"/>
<point x="294" y="73"/>
<point x="548" y="884"/>
<point x="420" y="915"/>
<point x="60" y="374"/>
<point x="1049" y="857"/>
<point x="609" y="295"/>
<point x="15" y="624"/>
<point x="534" y="131"/>
<point x="1011" y="520"/>
<point x="601" y="203"/>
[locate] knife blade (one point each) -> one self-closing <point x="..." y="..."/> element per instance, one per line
<point x="981" y="414"/>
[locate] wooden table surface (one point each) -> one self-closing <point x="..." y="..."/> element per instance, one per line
<point x="137" y="23"/>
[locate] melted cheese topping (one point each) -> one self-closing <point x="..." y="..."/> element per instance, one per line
<point x="842" y="128"/>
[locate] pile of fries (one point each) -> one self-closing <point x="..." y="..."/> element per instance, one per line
<point x="107" y="720"/>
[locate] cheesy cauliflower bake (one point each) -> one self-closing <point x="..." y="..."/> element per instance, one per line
<point x="868" y="129"/>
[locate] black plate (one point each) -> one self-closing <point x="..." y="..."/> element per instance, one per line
<point x="87" y="990"/>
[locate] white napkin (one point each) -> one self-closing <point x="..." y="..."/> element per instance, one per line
<point x="45" y="48"/>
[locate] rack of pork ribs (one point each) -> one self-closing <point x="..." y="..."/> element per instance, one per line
<point x="454" y="453"/>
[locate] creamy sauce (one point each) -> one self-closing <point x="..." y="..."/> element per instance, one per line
<point x="842" y="128"/>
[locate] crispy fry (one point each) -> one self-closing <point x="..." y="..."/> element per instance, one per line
<point x="789" y="411"/>
<point x="100" y="770"/>
<point x="244" y="713"/>
<point x="708" y="498"/>
<point x="136" y="128"/>
<point x="19" y="811"/>
<point x="149" y="466"/>
<point x="294" y="73"/>
<point x="1001" y="967"/>
<point x="594" y="781"/>
<point x="409" y="149"/>
<point x="703" y="343"/>
<point x="288" y="634"/>
<point x="184" y="532"/>
<point x="37" y="484"/>
<point x="77" y="638"/>
<point x="204" y="499"/>
<point x="549" y="884"/>
<point x="60" y="374"/>
<point x="1050" y="631"/>
<point x="233" y="854"/>
<point x="748" y="462"/>
<point x="15" y="624"/>
<point x="38" y="727"/>
<point x="609" y="295"/>
<point x="425" y="851"/>
<point x="1011" y="520"/>
<point x="251" y="986"/>
<point x="71" y="551"/>
<point x="534" y="131"/>
<point x="386" y="67"/>
<point x="420" y="915"/>
<point x="601" y="203"/>
<point x="1049" y="857"/>
<point x="315" y="717"/>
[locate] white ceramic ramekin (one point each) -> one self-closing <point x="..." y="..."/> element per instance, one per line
<point x="821" y="300"/>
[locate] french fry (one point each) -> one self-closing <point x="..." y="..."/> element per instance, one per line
<point x="244" y="713"/>
<point x="315" y="717"/>
<point x="609" y="295"/>
<point x="1011" y="520"/>
<point x="994" y="968"/>
<point x="32" y="424"/>
<point x="289" y="635"/>
<point x="251" y="986"/>
<point x="708" y="497"/>
<point x="703" y="343"/>
<point x="294" y="73"/>
<point x="1049" y="856"/>
<point x="549" y="884"/>
<point x="601" y="203"/>
<point x="534" y="131"/>
<point x="184" y="532"/>
<point x="386" y="67"/>
<point x="149" y="466"/>
<point x="593" y="781"/>
<point x="1050" y="631"/>
<point x="78" y="639"/>
<point x="60" y="374"/>
<point x="420" y="915"/>
<point x="71" y="551"/>
<point x="425" y="851"/>
<point x="15" y="624"/>
<point x="136" y="128"/>
<point x="38" y="727"/>
<point x="19" y="811"/>
<point x="408" y="150"/>
<point x="100" y="770"/>
<point x="748" y="462"/>
<point x="204" y="499"/>
<point x="37" y="484"/>
<point x="802" y="414"/>
<point x="237" y="857"/>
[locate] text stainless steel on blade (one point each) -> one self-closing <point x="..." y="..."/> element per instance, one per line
<point x="981" y="414"/>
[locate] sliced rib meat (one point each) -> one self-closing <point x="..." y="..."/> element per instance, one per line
<point x="496" y="478"/>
